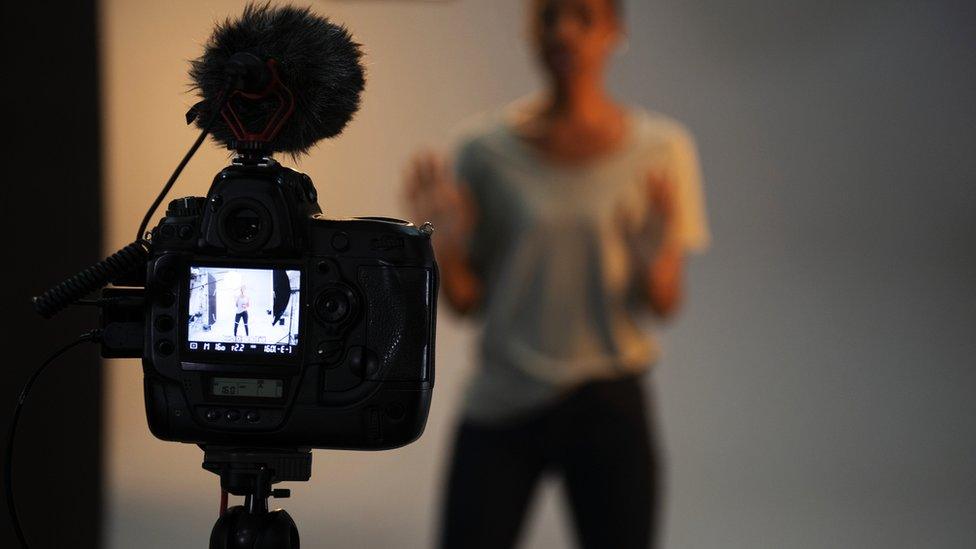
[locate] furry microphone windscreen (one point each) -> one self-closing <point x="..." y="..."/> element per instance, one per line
<point x="317" y="60"/>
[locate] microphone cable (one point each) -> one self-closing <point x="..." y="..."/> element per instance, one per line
<point x="224" y="96"/>
<point x="8" y="469"/>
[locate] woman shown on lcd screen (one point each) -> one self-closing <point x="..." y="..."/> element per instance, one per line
<point x="566" y="217"/>
<point x="242" y="302"/>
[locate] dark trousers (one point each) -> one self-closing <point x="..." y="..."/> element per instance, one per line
<point x="597" y="440"/>
<point x="237" y="318"/>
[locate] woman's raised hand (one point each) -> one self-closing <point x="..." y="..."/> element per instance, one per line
<point x="433" y="194"/>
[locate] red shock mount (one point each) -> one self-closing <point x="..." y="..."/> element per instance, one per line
<point x="250" y="140"/>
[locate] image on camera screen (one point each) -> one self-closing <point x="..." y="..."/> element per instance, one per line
<point x="243" y="310"/>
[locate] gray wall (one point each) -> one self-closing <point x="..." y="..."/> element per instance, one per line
<point x="819" y="391"/>
<point x="816" y="391"/>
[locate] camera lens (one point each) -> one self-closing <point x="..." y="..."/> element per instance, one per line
<point x="334" y="304"/>
<point x="243" y="225"/>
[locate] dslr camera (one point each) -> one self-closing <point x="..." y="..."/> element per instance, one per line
<point x="267" y="323"/>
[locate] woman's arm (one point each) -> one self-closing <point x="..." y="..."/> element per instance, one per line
<point x="678" y="224"/>
<point x="664" y="281"/>
<point x="461" y="286"/>
<point x="435" y="196"/>
<point x="663" y="272"/>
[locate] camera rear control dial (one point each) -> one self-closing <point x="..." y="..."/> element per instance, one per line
<point x="336" y="305"/>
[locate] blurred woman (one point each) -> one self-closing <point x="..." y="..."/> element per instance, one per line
<point x="565" y="217"/>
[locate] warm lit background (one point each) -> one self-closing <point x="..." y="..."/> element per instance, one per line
<point x="818" y="389"/>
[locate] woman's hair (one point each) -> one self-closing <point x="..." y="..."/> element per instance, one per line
<point x="617" y="7"/>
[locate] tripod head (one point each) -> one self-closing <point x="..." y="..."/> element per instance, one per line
<point x="251" y="473"/>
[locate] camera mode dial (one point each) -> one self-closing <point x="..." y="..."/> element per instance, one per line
<point x="188" y="206"/>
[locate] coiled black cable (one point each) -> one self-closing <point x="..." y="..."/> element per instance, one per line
<point x="93" y="278"/>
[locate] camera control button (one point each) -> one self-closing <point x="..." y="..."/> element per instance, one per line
<point x="340" y="242"/>
<point x="363" y="362"/>
<point x="164" y="323"/>
<point x="252" y="417"/>
<point x="166" y="274"/>
<point x="232" y="415"/>
<point x="212" y="414"/>
<point x="165" y="347"/>
<point x="166" y="299"/>
<point x="395" y="411"/>
<point x="330" y="350"/>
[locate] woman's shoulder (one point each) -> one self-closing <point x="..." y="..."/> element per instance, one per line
<point x="484" y="138"/>
<point x="654" y="128"/>
<point x="482" y="129"/>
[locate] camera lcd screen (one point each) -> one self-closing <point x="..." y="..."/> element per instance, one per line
<point x="235" y="386"/>
<point x="238" y="310"/>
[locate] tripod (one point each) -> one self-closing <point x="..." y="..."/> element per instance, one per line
<point x="250" y="473"/>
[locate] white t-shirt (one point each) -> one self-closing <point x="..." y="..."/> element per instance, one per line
<point x="555" y="248"/>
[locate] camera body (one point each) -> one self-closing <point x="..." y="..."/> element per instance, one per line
<point x="270" y="325"/>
